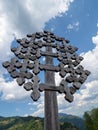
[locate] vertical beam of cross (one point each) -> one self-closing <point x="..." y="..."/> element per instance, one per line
<point x="51" y="121"/>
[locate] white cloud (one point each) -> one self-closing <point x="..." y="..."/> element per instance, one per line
<point x="91" y="90"/>
<point x="29" y="103"/>
<point x="70" y="26"/>
<point x="22" y="17"/>
<point x="77" y="23"/>
<point x="95" y="39"/>
<point x="57" y="79"/>
<point x="91" y="59"/>
<point x="39" y="112"/>
<point x="39" y="107"/>
<point x="73" y="26"/>
<point x="11" y="91"/>
<point x="17" y="18"/>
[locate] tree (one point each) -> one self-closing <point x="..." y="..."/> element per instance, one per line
<point x="91" y="119"/>
<point x="94" y="116"/>
<point x="88" y="121"/>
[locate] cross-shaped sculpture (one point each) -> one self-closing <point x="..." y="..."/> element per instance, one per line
<point x="26" y="66"/>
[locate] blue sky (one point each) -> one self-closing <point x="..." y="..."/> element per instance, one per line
<point x="76" y="20"/>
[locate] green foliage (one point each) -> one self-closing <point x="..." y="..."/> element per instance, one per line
<point x="88" y="121"/>
<point x="67" y="126"/>
<point x="21" y="123"/>
<point x="29" y="123"/>
<point x="91" y="119"/>
<point x="94" y="116"/>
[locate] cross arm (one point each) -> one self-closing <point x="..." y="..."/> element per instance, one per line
<point x="61" y="89"/>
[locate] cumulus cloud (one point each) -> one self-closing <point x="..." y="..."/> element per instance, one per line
<point x="73" y="26"/>
<point x="39" y="107"/>
<point x="91" y="59"/>
<point x="11" y="91"/>
<point x="40" y="111"/>
<point x="17" y="18"/>
<point x="91" y="62"/>
<point x="22" y="17"/>
<point x="57" y="79"/>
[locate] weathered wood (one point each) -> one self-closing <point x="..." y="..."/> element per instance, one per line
<point x="60" y="58"/>
<point x="24" y="65"/>
<point x="49" y="67"/>
<point x="49" y="54"/>
<point x="20" y="81"/>
<point x="68" y="95"/>
<point x="72" y="90"/>
<point x="46" y="87"/>
<point x="27" y="66"/>
<point x="38" y="54"/>
<point x="6" y="64"/>
<point x="28" y="86"/>
<point x="14" y="74"/>
<point x="72" y="49"/>
<point x="77" y="85"/>
<point x="18" y="49"/>
<point x="51" y="109"/>
<point x="35" y="95"/>
<point x="48" y="44"/>
<point x="36" y="69"/>
<point x="62" y="71"/>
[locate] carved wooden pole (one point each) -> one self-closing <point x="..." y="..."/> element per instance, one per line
<point x="51" y="108"/>
<point x="26" y="66"/>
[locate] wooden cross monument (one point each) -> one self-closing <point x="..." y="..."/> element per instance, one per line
<point x="26" y="66"/>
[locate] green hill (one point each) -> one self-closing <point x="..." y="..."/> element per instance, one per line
<point x="21" y="123"/>
<point x="77" y="121"/>
<point x="30" y="123"/>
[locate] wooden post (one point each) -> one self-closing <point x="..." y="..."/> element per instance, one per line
<point x="30" y="50"/>
<point x="51" y="121"/>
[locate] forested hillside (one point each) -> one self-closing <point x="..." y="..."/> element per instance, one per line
<point x="91" y="119"/>
<point x="67" y="122"/>
<point x="30" y="123"/>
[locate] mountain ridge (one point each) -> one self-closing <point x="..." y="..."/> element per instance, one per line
<point x="19" y="122"/>
<point x="76" y="120"/>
